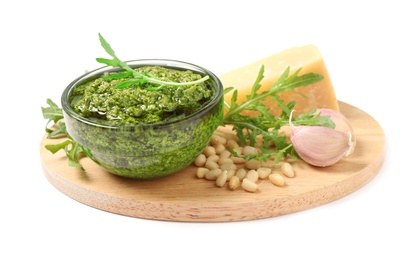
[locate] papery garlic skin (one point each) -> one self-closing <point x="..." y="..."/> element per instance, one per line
<point x="324" y="146"/>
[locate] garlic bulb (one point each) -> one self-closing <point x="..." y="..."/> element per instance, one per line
<point x="324" y="146"/>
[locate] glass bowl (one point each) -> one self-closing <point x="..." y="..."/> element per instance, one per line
<point x="146" y="151"/>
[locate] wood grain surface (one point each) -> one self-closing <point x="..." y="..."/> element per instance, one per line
<point x="183" y="197"/>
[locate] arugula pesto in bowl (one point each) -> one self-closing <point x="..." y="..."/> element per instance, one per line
<point x="143" y="129"/>
<point x="101" y="101"/>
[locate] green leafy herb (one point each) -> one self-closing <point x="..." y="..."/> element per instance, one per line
<point x="52" y="113"/>
<point x="249" y="128"/>
<point x="138" y="77"/>
<point x="73" y="150"/>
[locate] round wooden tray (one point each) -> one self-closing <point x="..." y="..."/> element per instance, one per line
<point x="183" y="197"/>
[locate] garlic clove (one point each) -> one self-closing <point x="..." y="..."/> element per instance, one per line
<point x="323" y="146"/>
<point x="341" y="123"/>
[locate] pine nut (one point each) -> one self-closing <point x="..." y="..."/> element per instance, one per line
<point x="237" y="160"/>
<point x="249" y="186"/>
<point x="221" y="179"/>
<point x="219" y="148"/>
<point x="234" y="183"/>
<point x="211" y="165"/>
<point x="247" y="150"/>
<point x="285" y="131"/>
<point x="225" y="154"/>
<point x="264" y="172"/>
<point x="253" y="164"/>
<point x="259" y="143"/>
<point x="201" y="172"/>
<point x="200" y="160"/>
<point x="252" y="175"/>
<point x="213" y="157"/>
<point x="241" y="173"/>
<point x="209" y="150"/>
<point x="230" y="174"/>
<point x="213" y="174"/>
<point x="277" y="179"/>
<point x="232" y="144"/>
<point x="217" y="139"/>
<point x="223" y="160"/>
<point x="228" y="166"/>
<point x="238" y="150"/>
<point x="287" y="170"/>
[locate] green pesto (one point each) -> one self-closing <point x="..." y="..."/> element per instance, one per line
<point x="99" y="100"/>
<point x="134" y="148"/>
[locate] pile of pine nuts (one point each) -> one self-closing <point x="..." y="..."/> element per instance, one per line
<point x="217" y="163"/>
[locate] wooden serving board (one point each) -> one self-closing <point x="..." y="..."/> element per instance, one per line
<point x="184" y="197"/>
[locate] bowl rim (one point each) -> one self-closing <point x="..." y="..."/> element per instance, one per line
<point x="170" y="63"/>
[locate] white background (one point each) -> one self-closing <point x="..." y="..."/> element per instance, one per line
<point x="369" y="47"/>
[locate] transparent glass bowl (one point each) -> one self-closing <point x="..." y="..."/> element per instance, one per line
<point x="146" y="150"/>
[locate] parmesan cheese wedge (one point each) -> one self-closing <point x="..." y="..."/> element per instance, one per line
<point x="308" y="57"/>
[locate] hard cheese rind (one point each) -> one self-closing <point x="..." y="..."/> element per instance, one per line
<point x="308" y="57"/>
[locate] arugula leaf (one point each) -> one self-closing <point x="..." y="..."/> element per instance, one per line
<point x="73" y="150"/>
<point x="265" y="124"/>
<point x="60" y="131"/>
<point x="283" y="84"/>
<point x="54" y="148"/>
<point x="53" y="113"/>
<point x="140" y="77"/>
<point x="115" y="62"/>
